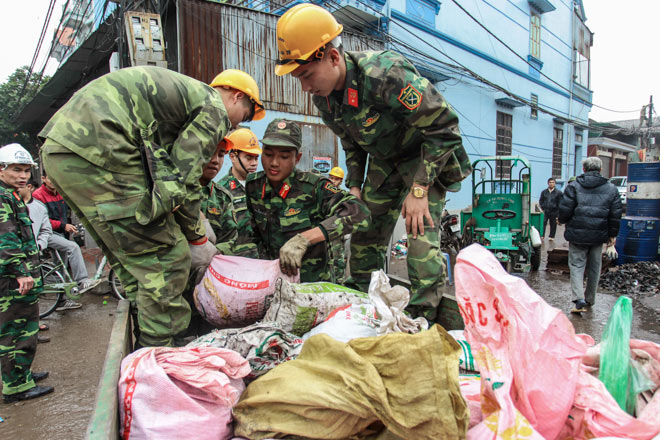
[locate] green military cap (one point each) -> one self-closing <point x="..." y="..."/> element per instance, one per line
<point x="283" y="133"/>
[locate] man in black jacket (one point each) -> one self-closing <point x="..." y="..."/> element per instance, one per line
<point x="591" y="209"/>
<point x="549" y="203"/>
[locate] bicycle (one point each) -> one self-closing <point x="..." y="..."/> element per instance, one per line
<point x="113" y="279"/>
<point x="57" y="283"/>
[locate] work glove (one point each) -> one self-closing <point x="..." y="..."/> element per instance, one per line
<point x="291" y="254"/>
<point x="210" y="233"/>
<point x="611" y="252"/>
<point x="202" y="252"/>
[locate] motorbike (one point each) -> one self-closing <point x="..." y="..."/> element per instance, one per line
<point x="450" y="233"/>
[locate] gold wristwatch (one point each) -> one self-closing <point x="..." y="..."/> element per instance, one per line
<point x="418" y="192"/>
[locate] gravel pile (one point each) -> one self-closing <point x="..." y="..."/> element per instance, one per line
<point x="633" y="278"/>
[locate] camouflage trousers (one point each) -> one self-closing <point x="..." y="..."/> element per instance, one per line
<point x="152" y="261"/>
<point x="337" y="260"/>
<point x="426" y="265"/>
<point x="19" y="325"/>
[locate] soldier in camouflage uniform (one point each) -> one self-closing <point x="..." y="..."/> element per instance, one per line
<point x="216" y="203"/>
<point x="296" y="212"/>
<point x="126" y="153"/>
<point x="20" y="282"/>
<point x="338" y="247"/>
<point x="244" y="154"/>
<point x="383" y="110"/>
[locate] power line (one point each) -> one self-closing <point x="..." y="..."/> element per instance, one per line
<point x="40" y="41"/>
<point x="49" y="14"/>
<point x="74" y="35"/>
<point x="474" y="74"/>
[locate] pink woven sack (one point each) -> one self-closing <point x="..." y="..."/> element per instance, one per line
<point x="234" y="290"/>
<point x="180" y="392"/>
<point x="527" y="351"/>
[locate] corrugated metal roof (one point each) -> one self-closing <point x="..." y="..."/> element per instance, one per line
<point x="218" y="36"/>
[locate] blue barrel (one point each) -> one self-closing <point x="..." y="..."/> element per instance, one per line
<point x="638" y="239"/>
<point x="643" y="193"/>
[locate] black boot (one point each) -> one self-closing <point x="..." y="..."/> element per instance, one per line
<point x="29" y="394"/>
<point x="41" y="375"/>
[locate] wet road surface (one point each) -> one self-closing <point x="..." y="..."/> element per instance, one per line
<point x="74" y="358"/>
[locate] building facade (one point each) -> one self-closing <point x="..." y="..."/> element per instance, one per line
<point x="516" y="71"/>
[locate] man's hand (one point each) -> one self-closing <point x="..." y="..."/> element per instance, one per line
<point x="25" y="284"/>
<point x="415" y="210"/>
<point x="291" y="254"/>
<point x="70" y="229"/>
<point x="355" y="190"/>
<point x="611" y="241"/>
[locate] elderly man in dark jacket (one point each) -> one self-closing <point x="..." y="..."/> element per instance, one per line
<point x="591" y="209"/>
<point x="549" y="203"/>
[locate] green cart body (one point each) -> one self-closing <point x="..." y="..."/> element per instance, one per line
<point x="500" y="217"/>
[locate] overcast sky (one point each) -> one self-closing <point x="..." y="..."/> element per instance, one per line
<point x="625" y="67"/>
<point x="20" y="26"/>
<point x="624" y="59"/>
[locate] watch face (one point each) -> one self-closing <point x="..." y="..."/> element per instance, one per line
<point x="418" y="192"/>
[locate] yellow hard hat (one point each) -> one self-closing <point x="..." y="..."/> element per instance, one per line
<point x="337" y="172"/>
<point x="243" y="139"/>
<point x="301" y="31"/>
<point x="239" y="80"/>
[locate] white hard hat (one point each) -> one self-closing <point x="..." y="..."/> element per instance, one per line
<point x="15" y="153"/>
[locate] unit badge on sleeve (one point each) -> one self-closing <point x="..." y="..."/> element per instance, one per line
<point x="410" y="97"/>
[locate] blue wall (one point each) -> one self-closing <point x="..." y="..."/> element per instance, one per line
<point x="457" y="39"/>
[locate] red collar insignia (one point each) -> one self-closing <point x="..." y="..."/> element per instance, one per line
<point x="263" y="191"/>
<point x="352" y="97"/>
<point x="232" y="184"/>
<point x="284" y="190"/>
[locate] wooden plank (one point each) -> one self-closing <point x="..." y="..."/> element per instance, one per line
<point x="104" y="423"/>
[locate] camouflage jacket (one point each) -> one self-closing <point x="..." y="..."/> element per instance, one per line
<point x="147" y="120"/>
<point x="19" y="254"/>
<point x="245" y="245"/>
<point x="390" y="112"/>
<point x="304" y="201"/>
<point x="216" y="206"/>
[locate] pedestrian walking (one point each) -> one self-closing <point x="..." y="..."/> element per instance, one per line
<point x="126" y="154"/>
<point x="549" y="203"/>
<point x="20" y="282"/>
<point x="591" y="210"/>
<point x="385" y="113"/>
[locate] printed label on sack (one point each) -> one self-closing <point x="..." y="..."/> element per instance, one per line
<point x="131" y="384"/>
<point x="239" y="284"/>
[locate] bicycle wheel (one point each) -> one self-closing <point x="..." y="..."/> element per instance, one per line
<point x="115" y="285"/>
<point x="51" y="296"/>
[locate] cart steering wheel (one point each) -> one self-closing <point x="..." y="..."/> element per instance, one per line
<point x="499" y="214"/>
